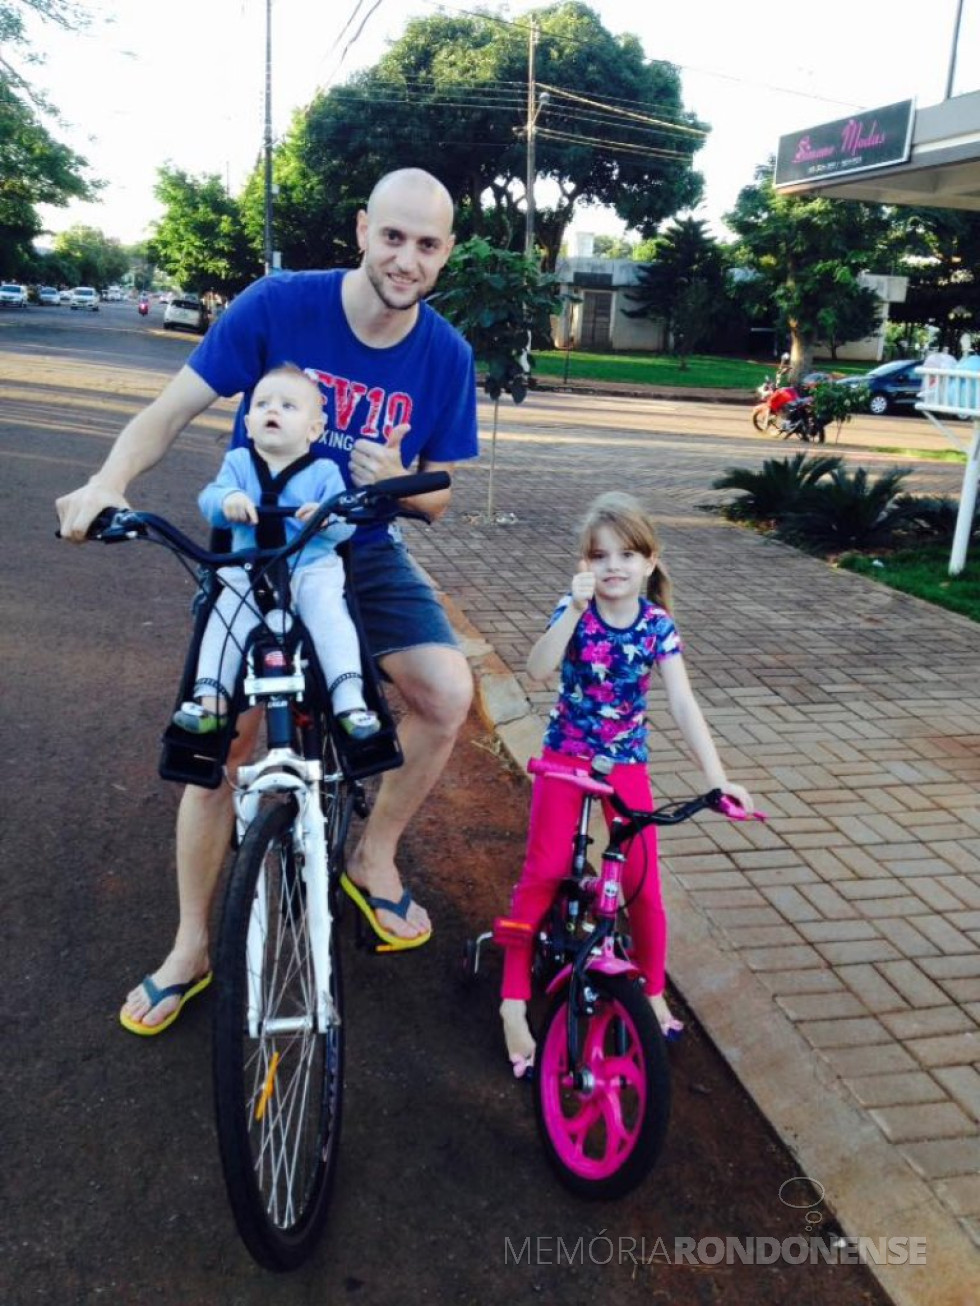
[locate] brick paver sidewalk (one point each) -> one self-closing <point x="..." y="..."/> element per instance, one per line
<point x="833" y="954"/>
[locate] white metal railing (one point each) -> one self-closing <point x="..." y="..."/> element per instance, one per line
<point x="955" y="392"/>
<point x="950" y="391"/>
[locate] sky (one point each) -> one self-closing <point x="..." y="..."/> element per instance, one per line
<point x="182" y="81"/>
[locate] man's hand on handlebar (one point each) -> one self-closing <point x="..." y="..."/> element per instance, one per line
<point x="77" y="510"/>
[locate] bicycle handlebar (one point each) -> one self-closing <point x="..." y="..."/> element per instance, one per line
<point x="371" y="504"/>
<point x="669" y="814"/>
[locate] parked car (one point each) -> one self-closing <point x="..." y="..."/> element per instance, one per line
<point x="892" y="385"/>
<point x="64" y="296"/>
<point x="48" y="295"/>
<point x="186" y="311"/>
<point x="84" y="297"/>
<point x="13" y="295"/>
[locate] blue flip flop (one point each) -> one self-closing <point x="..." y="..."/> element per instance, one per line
<point x="369" y="905"/>
<point x="157" y="995"/>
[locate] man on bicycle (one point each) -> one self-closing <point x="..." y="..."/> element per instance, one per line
<point x="399" y="390"/>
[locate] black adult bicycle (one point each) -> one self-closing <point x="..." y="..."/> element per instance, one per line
<point x="278" y="1041"/>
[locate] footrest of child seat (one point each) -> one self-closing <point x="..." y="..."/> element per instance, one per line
<point x="509" y="933"/>
<point x="193" y="759"/>
<point x="361" y="758"/>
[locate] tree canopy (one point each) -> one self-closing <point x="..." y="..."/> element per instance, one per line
<point x="201" y="240"/>
<point x="452" y="96"/>
<point x="941" y="256"/>
<point x="34" y="167"/>
<point x="805" y="256"/>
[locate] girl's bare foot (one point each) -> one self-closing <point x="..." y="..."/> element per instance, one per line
<point x="176" y="969"/>
<point x="517" y="1035"/>
<point x="670" y="1027"/>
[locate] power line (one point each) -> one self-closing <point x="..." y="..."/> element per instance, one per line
<point x="621" y="147"/>
<point x="624" y="113"/>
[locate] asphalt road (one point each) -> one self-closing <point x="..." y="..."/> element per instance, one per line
<point x="110" y="1186"/>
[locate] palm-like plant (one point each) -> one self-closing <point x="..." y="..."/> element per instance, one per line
<point x="849" y="511"/>
<point x="777" y="488"/>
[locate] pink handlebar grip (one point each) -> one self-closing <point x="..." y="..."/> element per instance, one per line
<point x="735" y="812"/>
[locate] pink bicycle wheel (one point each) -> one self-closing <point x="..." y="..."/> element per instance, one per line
<point x="604" y="1127"/>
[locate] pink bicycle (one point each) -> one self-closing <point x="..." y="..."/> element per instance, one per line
<point x="602" y="1079"/>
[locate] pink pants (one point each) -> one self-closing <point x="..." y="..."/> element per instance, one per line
<point x="555" y="811"/>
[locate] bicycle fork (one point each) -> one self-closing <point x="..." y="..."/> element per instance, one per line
<point x="310" y="847"/>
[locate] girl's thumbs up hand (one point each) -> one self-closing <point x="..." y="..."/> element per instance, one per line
<point x="583" y="586"/>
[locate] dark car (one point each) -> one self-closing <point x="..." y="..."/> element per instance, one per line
<point x="890" y="386"/>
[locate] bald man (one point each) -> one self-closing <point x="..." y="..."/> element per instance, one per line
<point x="399" y="394"/>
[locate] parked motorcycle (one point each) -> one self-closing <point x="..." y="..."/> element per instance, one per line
<point x="785" y="412"/>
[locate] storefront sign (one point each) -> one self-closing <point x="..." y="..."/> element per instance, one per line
<point x="871" y="139"/>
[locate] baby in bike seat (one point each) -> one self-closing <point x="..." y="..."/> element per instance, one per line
<point x="284" y="419"/>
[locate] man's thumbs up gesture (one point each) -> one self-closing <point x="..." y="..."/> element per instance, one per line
<point x="371" y="461"/>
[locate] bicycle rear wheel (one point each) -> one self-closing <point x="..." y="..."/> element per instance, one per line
<point x="278" y="1085"/>
<point x="604" y="1128"/>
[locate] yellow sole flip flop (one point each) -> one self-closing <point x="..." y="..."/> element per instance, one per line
<point x="367" y="905"/>
<point x="157" y="995"/>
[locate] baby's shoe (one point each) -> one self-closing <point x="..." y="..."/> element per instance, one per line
<point x="197" y="720"/>
<point x="359" y="723"/>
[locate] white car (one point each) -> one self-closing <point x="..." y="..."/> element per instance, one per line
<point x="48" y="295"/>
<point x="84" y="297"/>
<point x="13" y="295"/>
<point x="186" y="311"/>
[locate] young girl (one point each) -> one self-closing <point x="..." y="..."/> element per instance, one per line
<point x="606" y="634"/>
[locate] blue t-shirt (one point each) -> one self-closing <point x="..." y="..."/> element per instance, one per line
<point x="605" y="674"/>
<point x="427" y="380"/>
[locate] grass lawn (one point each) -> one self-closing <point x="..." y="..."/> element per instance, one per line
<point x="924" y="571"/>
<point x="702" y="371"/>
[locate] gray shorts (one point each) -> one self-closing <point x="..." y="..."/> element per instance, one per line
<point x="397" y="605"/>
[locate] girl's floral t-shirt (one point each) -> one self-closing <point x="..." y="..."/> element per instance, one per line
<point x="605" y="675"/>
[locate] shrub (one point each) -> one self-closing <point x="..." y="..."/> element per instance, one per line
<point x="833" y="402"/>
<point x="931" y="515"/>
<point x="777" y="489"/>
<point x="849" y="511"/>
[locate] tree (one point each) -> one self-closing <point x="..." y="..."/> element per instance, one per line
<point x="92" y="258"/>
<point x="805" y="256"/>
<point x="853" y="314"/>
<point x="941" y="256"/>
<point x="34" y="167"/>
<point x="201" y="240"/>
<point x="612" y="247"/>
<point x="684" y="284"/>
<point x="501" y="302"/>
<point x="450" y="96"/>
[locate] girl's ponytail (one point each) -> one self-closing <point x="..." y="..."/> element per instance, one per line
<point x="660" y="588"/>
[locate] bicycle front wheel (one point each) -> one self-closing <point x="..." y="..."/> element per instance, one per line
<point x="603" y="1124"/>
<point x="278" y="1080"/>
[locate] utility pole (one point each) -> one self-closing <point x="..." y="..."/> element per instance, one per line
<point x="951" y="72"/>
<point x="532" y="114"/>
<point x="267" y="244"/>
